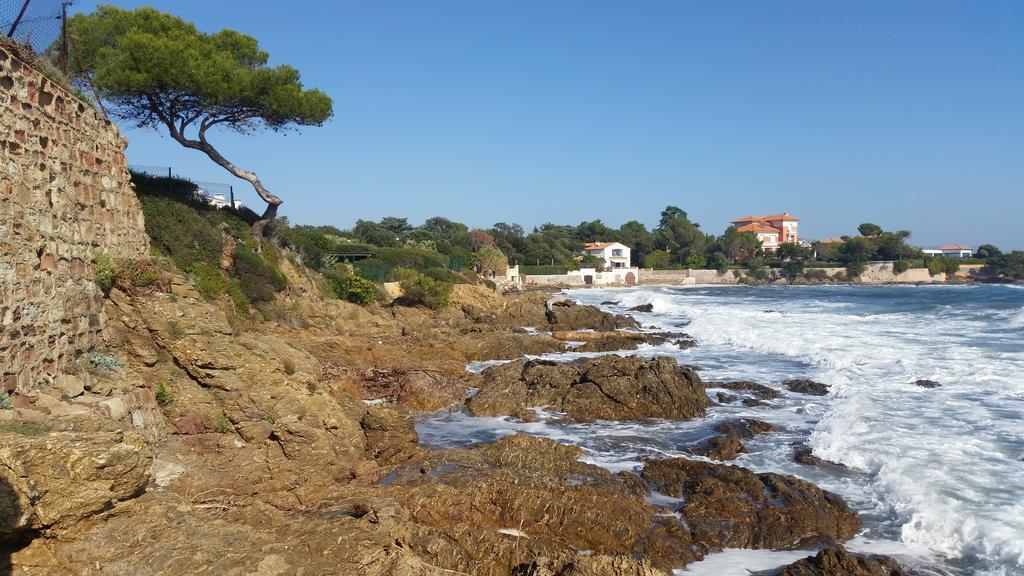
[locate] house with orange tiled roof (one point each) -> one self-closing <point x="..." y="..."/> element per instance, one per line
<point x="614" y="254"/>
<point x="772" y="230"/>
<point x="953" y="251"/>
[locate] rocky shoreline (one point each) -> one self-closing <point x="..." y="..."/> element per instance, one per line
<point x="289" y="447"/>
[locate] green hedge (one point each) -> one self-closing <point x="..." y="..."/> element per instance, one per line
<point x="542" y="270"/>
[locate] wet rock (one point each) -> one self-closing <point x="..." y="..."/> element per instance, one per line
<point x="610" y="303"/>
<point x="643" y="308"/>
<point x="836" y="561"/>
<point x="927" y="383"/>
<point x="610" y="344"/>
<point x="759" y="391"/>
<point x="60" y="478"/>
<point x="685" y="343"/>
<point x="753" y="402"/>
<point x="804" y="386"/>
<point x="732" y="507"/>
<point x="719" y="447"/>
<point x="728" y="443"/>
<point x="605" y="388"/>
<point x="802" y="454"/>
<point x="725" y="398"/>
<point x="744" y="428"/>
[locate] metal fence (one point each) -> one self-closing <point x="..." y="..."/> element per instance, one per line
<point x="215" y="193"/>
<point x="37" y="23"/>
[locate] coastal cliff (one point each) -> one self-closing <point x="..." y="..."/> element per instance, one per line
<point x="289" y="449"/>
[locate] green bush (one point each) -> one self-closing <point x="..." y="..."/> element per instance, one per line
<point x="419" y="259"/>
<point x="445" y="275"/>
<point x="940" y="264"/>
<point x="815" y="274"/>
<point x="419" y="289"/>
<point x="354" y="289"/>
<point x="103" y="270"/>
<point x="855" y="269"/>
<point x="258" y="279"/>
<point x="900" y="266"/>
<point x="793" y="267"/>
<point x="131" y="276"/>
<point x="162" y="394"/>
<point x="212" y="283"/>
<point x="5" y="401"/>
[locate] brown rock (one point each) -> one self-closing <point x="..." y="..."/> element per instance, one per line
<point x="804" y="386"/>
<point x="729" y="442"/>
<point x="732" y="507"/>
<point x="758" y="391"/>
<point x="390" y="434"/>
<point x="606" y="388"/>
<point x="60" y="478"/>
<point x="836" y="561"/>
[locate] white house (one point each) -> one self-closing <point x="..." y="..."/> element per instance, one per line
<point x="217" y="200"/>
<point x="614" y="254"/>
<point x="953" y="251"/>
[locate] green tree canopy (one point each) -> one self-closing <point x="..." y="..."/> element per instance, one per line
<point x="987" y="251"/>
<point x="156" y="70"/>
<point x="869" y="229"/>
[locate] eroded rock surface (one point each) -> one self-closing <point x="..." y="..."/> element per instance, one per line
<point x="605" y="388"/>
<point x="804" y="386"/>
<point x="732" y="507"/>
<point x="836" y="561"/>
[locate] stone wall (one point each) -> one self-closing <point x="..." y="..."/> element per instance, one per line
<point x="65" y="196"/>
<point x="874" y="273"/>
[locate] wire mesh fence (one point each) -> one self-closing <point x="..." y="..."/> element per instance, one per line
<point x="217" y="194"/>
<point x="35" y="23"/>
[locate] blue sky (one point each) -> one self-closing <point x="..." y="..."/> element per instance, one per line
<point x="908" y="114"/>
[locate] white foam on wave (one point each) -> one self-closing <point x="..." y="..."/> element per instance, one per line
<point x="742" y="561"/>
<point x="944" y="464"/>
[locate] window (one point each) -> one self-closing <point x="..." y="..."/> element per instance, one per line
<point x="617" y="252"/>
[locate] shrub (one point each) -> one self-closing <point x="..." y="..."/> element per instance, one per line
<point x="719" y="261"/>
<point x="257" y="279"/>
<point x="99" y="362"/>
<point x="793" y="267"/>
<point x="103" y="270"/>
<point x="419" y="289"/>
<point x="936" y="266"/>
<point x="162" y="394"/>
<point x="5" y="401"/>
<point x="212" y="283"/>
<point x="132" y="275"/>
<point x="816" y="274"/>
<point x="353" y="288"/>
<point x="415" y="258"/>
<point x="696" y="261"/>
<point x="900" y="266"/>
<point x="445" y="275"/>
<point x="855" y="269"/>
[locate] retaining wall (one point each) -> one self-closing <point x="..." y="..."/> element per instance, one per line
<point x="65" y="197"/>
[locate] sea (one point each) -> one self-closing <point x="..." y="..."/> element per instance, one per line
<point x="937" y="474"/>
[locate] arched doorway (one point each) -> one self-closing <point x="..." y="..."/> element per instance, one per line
<point x="630" y="279"/>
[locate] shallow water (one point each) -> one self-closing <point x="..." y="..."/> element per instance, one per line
<point x="937" y="474"/>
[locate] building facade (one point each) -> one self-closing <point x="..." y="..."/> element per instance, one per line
<point x="772" y="231"/>
<point x="614" y="254"/>
<point x="953" y="251"/>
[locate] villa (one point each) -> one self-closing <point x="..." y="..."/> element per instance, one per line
<point x="953" y="251"/>
<point x="614" y="254"/>
<point x="772" y="230"/>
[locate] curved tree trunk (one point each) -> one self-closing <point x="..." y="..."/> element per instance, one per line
<point x="205" y="147"/>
